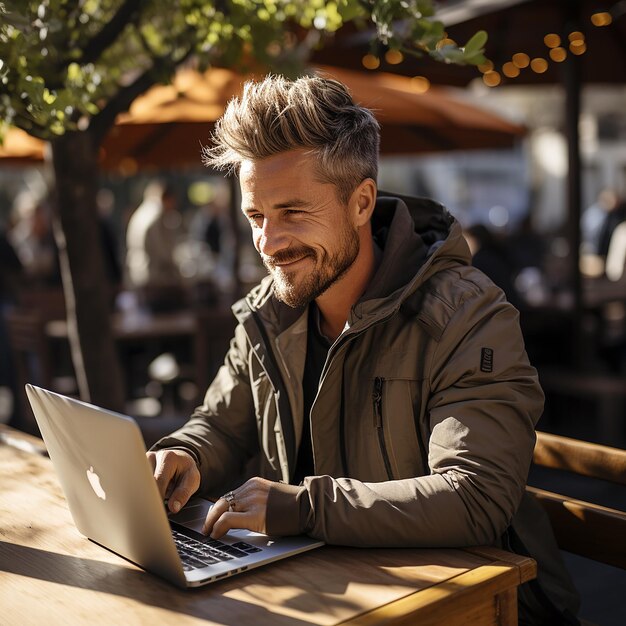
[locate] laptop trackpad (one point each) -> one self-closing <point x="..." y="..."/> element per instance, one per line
<point x="193" y="514"/>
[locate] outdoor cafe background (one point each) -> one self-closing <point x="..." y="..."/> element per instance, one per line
<point x="165" y="129"/>
<point x="517" y="192"/>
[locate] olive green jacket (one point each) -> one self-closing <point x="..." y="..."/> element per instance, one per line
<point x="423" y="424"/>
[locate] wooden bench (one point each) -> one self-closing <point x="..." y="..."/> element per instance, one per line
<point x="582" y="528"/>
<point x="589" y="530"/>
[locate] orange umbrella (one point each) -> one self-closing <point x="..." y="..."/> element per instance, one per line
<point x="415" y="121"/>
<point x="168" y="124"/>
<point x="20" y="147"/>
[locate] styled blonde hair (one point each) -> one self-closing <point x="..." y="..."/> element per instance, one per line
<point x="276" y="115"/>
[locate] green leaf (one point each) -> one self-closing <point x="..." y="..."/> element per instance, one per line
<point x="475" y="59"/>
<point x="92" y="108"/>
<point x="448" y="54"/>
<point x="476" y="43"/>
<point x="263" y="33"/>
<point x="73" y="73"/>
<point x="349" y="10"/>
<point x="49" y="97"/>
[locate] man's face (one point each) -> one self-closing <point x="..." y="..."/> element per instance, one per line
<point x="303" y="233"/>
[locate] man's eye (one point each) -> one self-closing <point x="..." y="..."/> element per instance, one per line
<point x="292" y="212"/>
<point x="256" y="218"/>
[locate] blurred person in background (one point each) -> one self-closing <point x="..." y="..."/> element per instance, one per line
<point x="615" y="214"/>
<point x="616" y="251"/>
<point x="211" y="231"/>
<point x="592" y="223"/>
<point x="153" y="233"/>
<point x="490" y="256"/>
<point x="32" y="238"/>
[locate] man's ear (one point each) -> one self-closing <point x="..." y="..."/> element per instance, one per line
<point x="362" y="202"/>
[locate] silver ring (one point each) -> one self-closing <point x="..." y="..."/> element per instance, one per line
<point x="230" y="498"/>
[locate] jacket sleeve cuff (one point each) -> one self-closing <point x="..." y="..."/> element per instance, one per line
<point x="287" y="510"/>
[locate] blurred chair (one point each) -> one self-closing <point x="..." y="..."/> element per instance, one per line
<point x="34" y="362"/>
<point x="35" y="357"/>
<point x="176" y="382"/>
<point x="48" y="302"/>
<point x="215" y="329"/>
<point x="583" y="528"/>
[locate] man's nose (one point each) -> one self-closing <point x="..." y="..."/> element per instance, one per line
<point x="272" y="239"/>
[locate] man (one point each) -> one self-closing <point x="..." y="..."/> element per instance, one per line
<point x="153" y="233"/>
<point x="377" y="385"/>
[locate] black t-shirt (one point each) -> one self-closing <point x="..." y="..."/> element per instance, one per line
<point x="316" y="352"/>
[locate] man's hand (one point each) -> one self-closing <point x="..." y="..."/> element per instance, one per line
<point x="176" y="475"/>
<point x="247" y="509"/>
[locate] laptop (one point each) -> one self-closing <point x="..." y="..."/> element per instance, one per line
<point x="100" y="459"/>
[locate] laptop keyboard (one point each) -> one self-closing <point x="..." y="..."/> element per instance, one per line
<point x="195" y="553"/>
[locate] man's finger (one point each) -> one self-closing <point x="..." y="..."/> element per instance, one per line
<point x="229" y="520"/>
<point x="219" y="508"/>
<point x="152" y="460"/>
<point x="184" y="488"/>
<point x="163" y="473"/>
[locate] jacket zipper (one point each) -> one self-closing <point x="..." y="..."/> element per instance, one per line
<point x="280" y="394"/>
<point x="377" y="397"/>
<point x="333" y="350"/>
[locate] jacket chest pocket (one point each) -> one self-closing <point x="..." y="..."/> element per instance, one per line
<point x="395" y="416"/>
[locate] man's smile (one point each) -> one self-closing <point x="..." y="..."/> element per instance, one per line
<point x="288" y="264"/>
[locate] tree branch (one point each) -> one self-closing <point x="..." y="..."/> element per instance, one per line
<point x="92" y="49"/>
<point x="110" y="32"/>
<point x="122" y="100"/>
<point x="28" y="125"/>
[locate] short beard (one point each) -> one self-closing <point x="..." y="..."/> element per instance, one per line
<point x="327" y="271"/>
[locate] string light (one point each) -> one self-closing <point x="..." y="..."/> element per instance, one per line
<point x="420" y="84"/>
<point x="491" y="78"/>
<point x="370" y="62"/>
<point x="552" y="40"/>
<point x="445" y="42"/>
<point x="601" y="19"/>
<point x="510" y="70"/>
<point x="393" y="57"/>
<point x="576" y="36"/>
<point x="558" y="54"/>
<point x="539" y="65"/>
<point x="521" y="60"/>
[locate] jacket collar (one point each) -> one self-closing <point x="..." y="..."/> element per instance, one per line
<point x="418" y="237"/>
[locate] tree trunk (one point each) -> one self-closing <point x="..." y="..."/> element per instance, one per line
<point x="85" y="284"/>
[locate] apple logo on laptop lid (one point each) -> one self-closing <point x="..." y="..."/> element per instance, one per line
<point x="94" y="481"/>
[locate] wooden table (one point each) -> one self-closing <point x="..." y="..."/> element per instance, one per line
<point x="129" y="326"/>
<point x="50" y="574"/>
<point x="206" y="331"/>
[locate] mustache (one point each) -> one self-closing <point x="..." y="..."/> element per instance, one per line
<point x="287" y="256"/>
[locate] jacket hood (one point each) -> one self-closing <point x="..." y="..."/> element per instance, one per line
<point x="418" y="237"/>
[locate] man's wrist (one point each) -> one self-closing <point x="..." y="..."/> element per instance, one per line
<point x="287" y="508"/>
